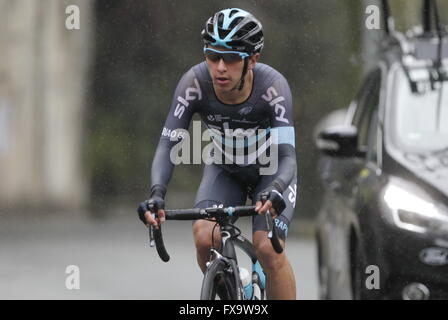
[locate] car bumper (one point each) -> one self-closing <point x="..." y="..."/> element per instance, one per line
<point x="407" y="271"/>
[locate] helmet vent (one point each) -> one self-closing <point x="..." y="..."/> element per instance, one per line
<point x="235" y="22"/>
<point x="223" y="33"/>
<point x="256" y="37"/>
<point x="232" y="13"/>
<point x="220" y="19"/>
<point x="210" y="28"/>
<point x="248" y="27"/>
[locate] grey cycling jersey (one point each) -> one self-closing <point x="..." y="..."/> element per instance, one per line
<point x="241" y="133"/>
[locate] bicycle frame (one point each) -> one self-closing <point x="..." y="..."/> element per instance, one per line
<point x="228" y="248"/>
<point x="225" y="259"/>
<point x="229" y="239"/>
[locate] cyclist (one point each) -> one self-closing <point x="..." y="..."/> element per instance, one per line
<point x="235" y="96"/>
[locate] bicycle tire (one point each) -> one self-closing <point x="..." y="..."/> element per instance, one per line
<point x="215" y="276"/>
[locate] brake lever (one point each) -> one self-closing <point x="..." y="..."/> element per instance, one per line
<point x="155" y="237"/>
<point x="269" y="223"/>
<point x="151" y="236"/>
<point x="151" y="233"/>
<point x="272" y="234"/>
<point x="268" y="217"/>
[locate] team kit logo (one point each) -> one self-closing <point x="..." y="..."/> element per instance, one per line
<point x="238" y="146"/>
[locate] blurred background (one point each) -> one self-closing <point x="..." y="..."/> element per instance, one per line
<point x="81" y="112"/>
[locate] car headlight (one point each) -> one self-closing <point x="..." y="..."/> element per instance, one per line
<point x="414" y="213"/>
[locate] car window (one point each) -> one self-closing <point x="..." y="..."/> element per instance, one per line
<point x="364" y="94"/>
<point x="367" y="104"/>
<point x="373" y="137"/>
<point x="420" y="119"/>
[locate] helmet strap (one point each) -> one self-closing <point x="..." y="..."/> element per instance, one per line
<point x="241" y="85"/>
<point x="246" y="63"/>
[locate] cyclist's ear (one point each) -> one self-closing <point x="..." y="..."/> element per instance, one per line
<point x="253" y="59"/>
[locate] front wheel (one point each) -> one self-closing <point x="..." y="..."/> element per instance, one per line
<point x="218" y="282"/>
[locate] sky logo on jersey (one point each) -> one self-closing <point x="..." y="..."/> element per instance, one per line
<point x="279" y="109"/>
<point x="191" y="93"/>
<point x="293" y="195"/>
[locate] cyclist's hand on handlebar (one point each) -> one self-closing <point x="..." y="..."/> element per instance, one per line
<point x="147" y="208"/>
<point x="155" y="222"/>
<point x="262" y="208"/>
<point x="272" y="200"/>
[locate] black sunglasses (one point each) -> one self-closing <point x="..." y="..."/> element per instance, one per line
<point x="227" y="56"/>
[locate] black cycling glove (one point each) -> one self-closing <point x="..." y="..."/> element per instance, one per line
<point x="272" y="194"/>
<point x="155" y="202"/>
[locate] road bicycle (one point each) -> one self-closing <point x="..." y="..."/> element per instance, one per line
<point x="223" y="279"/>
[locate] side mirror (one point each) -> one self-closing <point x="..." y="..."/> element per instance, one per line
<point x="339" y="141"/>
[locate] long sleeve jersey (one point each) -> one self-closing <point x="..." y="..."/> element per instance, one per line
<point x="243" y="135"/>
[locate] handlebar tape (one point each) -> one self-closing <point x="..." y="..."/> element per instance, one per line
<point x="160" y="246"/>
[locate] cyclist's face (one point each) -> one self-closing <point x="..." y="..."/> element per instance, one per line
<point x="226" y="75"/>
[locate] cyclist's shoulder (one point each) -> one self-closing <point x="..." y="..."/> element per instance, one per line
<point x="193" y="72"/>
<point x="194" y="80"/>
<point x="267" y="75"/>
<point x="200" y="72"/>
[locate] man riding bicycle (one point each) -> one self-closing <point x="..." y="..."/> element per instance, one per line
<point x="247" y="106"/>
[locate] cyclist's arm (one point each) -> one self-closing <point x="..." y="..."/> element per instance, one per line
<point x="186" y="98"/>
<point x="282" y="121"/>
